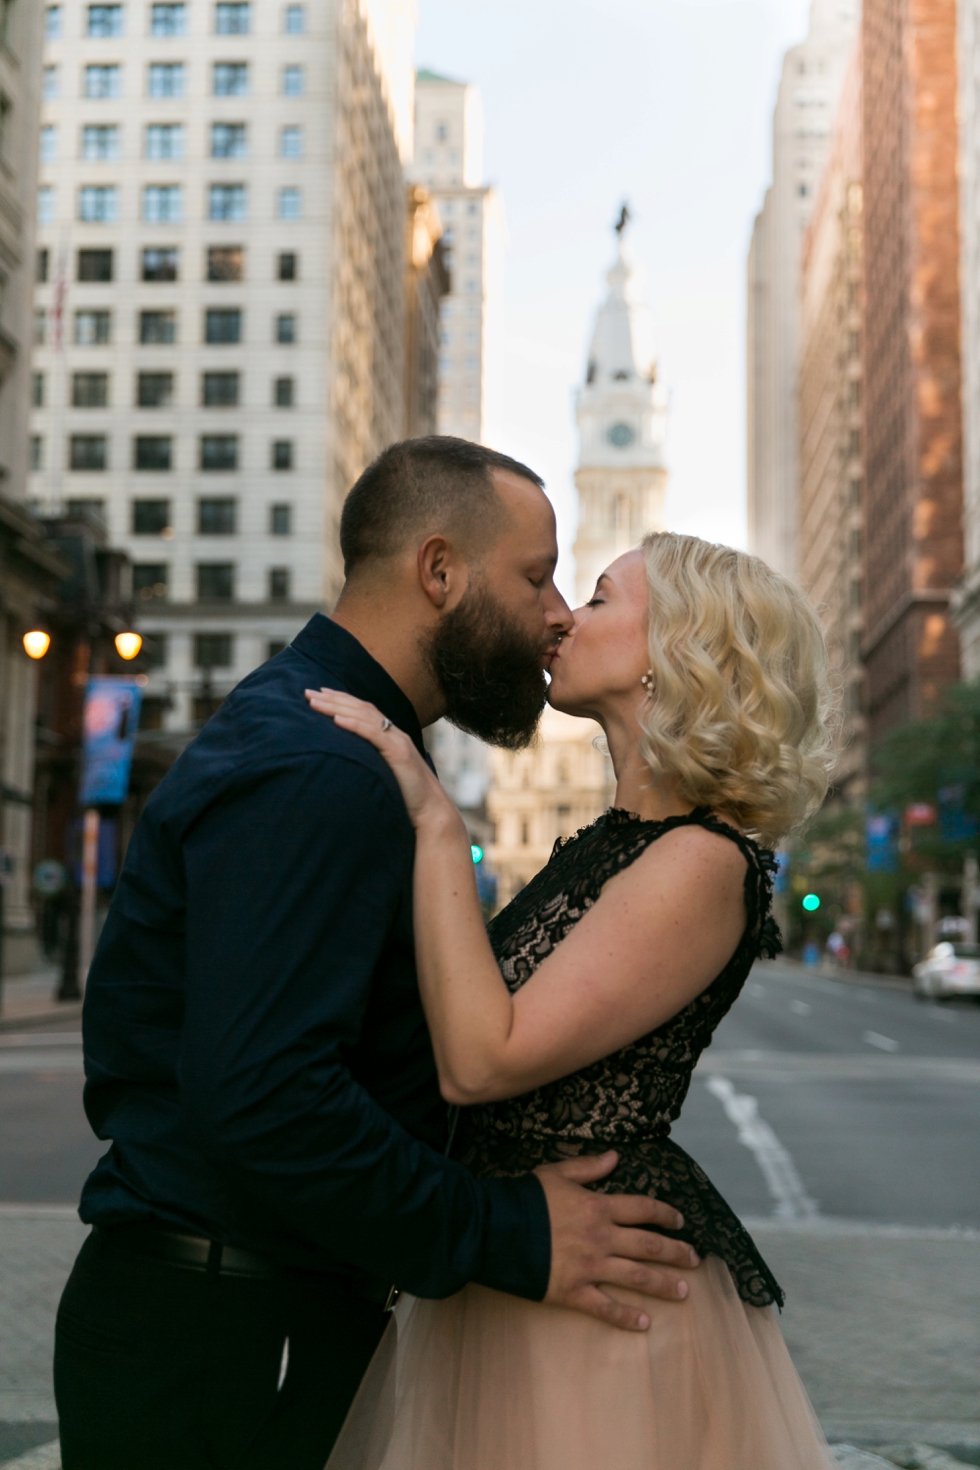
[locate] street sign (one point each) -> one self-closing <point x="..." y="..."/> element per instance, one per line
<point x="49" y="877"/>
<point x="112" y="711"/>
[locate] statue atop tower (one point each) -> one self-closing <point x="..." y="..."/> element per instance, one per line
<point x="621" y="411"/>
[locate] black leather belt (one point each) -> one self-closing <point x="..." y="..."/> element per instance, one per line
<point x="198" y="1253"/>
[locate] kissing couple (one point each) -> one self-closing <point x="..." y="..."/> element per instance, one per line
<point x="294" y="1002"/>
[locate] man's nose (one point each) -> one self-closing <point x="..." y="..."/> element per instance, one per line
<point x="559" y="614"/>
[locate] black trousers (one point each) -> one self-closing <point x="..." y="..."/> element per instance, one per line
<point x="158" y="1367"/>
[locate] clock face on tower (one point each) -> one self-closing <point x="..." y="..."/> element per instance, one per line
<point x="620" y="435"/>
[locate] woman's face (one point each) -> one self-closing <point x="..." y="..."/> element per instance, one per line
<point x="604" y="657"/>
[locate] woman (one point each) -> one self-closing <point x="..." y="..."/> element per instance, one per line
<point x="575" y="1026"/>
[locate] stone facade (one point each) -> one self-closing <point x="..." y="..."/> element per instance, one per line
<point x="913" y="458"/>
<point x="223" y="312"/>
<point x="967" y="597"/>
<point x="426" y="283"/>
<point x="831" y="419"/>
<point x="802" y="124"/>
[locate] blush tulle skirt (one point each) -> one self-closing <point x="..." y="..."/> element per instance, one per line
<point x="485" y="1381"/>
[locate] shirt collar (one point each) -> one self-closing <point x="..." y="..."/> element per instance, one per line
<point x="339" y="653"/>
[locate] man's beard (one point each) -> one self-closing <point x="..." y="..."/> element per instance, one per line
<point x="489" y="671"/>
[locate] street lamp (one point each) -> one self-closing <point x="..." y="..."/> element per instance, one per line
<point x="36" y="643"/>
<point x="128" y="645"/>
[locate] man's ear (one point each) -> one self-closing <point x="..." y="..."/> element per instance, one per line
<point x="441" y="570"/>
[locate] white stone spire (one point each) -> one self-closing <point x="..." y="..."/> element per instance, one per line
<point x="621" y="410"/>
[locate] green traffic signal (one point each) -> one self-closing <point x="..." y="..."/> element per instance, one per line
<point x="811" y="903"/>
<point x="476" y="852"/>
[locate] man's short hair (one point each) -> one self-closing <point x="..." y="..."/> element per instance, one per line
<point x="421" y="487"/>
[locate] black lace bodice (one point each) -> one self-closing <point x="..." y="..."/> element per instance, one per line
<point x="626" y="1101"/>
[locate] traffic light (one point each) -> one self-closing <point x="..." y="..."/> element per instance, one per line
<point x="811" y="903"/>
<point x="476" y="852"/>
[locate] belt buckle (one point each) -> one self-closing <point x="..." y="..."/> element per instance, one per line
<point x="391" y="1299"/>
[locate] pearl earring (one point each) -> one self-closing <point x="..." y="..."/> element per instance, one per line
<point x="647" y="681"/>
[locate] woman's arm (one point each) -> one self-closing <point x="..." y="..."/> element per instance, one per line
<point x="660" y="933"/>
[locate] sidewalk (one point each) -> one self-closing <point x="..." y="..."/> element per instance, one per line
<point x="28" y="1000"/>
<point x="883" y="1324"/>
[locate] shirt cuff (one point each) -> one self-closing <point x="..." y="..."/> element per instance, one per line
<point x="517" y="1235"/>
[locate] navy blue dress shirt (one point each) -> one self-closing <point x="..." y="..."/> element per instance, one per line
<point x="255" y="1047"/>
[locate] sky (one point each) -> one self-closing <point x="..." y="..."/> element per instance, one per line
<point x="666" y="104"/>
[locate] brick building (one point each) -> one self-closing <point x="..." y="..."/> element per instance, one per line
<point x="913" y="453"/>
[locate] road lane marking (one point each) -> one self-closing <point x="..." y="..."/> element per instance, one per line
<point x="800" y="1008"/>
<point x="782" y="1180"/>
<point x="755" y="990"/>
<point x="883" y="1043"/>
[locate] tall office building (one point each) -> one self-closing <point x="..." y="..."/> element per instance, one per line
<point x="967" y="599"/>
<point x="913" y="408"/>
<point x="29" y="573"/>
<point x="831" y="420"/>
<point x="802" y="124"/>
<point x="564" y="781"/>
<point x="221" y="305"/>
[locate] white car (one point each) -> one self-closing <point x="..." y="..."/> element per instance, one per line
<point x="951" y="968"/>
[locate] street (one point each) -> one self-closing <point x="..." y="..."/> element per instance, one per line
<point x="839" y="1119"/>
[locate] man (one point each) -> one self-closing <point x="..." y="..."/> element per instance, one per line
<point x="254" y="1043"/>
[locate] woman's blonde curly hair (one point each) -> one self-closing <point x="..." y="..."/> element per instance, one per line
<point x="739" y="713"/>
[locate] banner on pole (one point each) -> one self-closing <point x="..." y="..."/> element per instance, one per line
<point x="112" y="711"/>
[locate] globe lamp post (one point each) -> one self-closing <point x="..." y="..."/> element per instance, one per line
<point x="36" y="643"/>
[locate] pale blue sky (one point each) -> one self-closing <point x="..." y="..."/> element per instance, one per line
<point x="667" y="103"/>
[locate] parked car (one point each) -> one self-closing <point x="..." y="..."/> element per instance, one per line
<point x="951" y="968"/>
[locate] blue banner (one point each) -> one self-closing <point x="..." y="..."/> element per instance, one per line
<point x="881" y="844"/>
<point x="112" y="712"/>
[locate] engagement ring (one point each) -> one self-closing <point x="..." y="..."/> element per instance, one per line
<point x="385" y="724"/>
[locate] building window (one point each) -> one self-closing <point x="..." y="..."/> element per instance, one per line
<point x="90" y="390"/>
<point x="212" y="650"/>
<point x="154" y="651"/>
<point x="150" y="517"/>
<point x="229" y="140"/>
<point x="100" y="143"/>
<point x="278" y="584"/>
<point x="52" y="23"/>
<point x="153" y="452"/>
<point x="37" y="452"/>
<point x="274" y="647"/>
<point x="102" y="82"/>
<point x="291" y="143"/>
<point x="93" y="328"/>
<point x="219" y="390"/>
<point x="219" y="452"/>
<point x="160" y="263"/>
<point x="290" y="204"/>
<point x="164" y="141"/>
<point x="230" y="78"/>
<point x="88" y="452"/>
<point x="47" y="205"/>
<point x="168" y="20"/>
<point x="50" y="84"/>
<point x="282" y="454"/>
<point x="288" y="266"/>
<point x="163" y="204"/>
<point x="227" y="202"/>
<point x="286" y="328"/>
<point x="226" y="263"/>
<point x="280" y="520"/>
<point x="98" y="204"/>
<point x="215" y="581"/>
<point x="154" y="390"/>
<point x="294" y="20"/>
<point x="49" y="144"/>
<point x="282" y="393"/>
<point x="42" y="262"/>
<point x="222" y="326"/>
<point x="292" y="81"/>
<point x="165" y="79"/>
<point x="153" y="707"/>
<point x="150" y="580"/>
<point x="40" y="326"/>
<point x="105" y="21"/>
<point x="217" y="517"/>
<point x="95" y="265"/>
<point x="37" y="390"/>
<point x="158" y="328"/>
<point x="88" y="507"/>
<point x="231" y="20"/>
